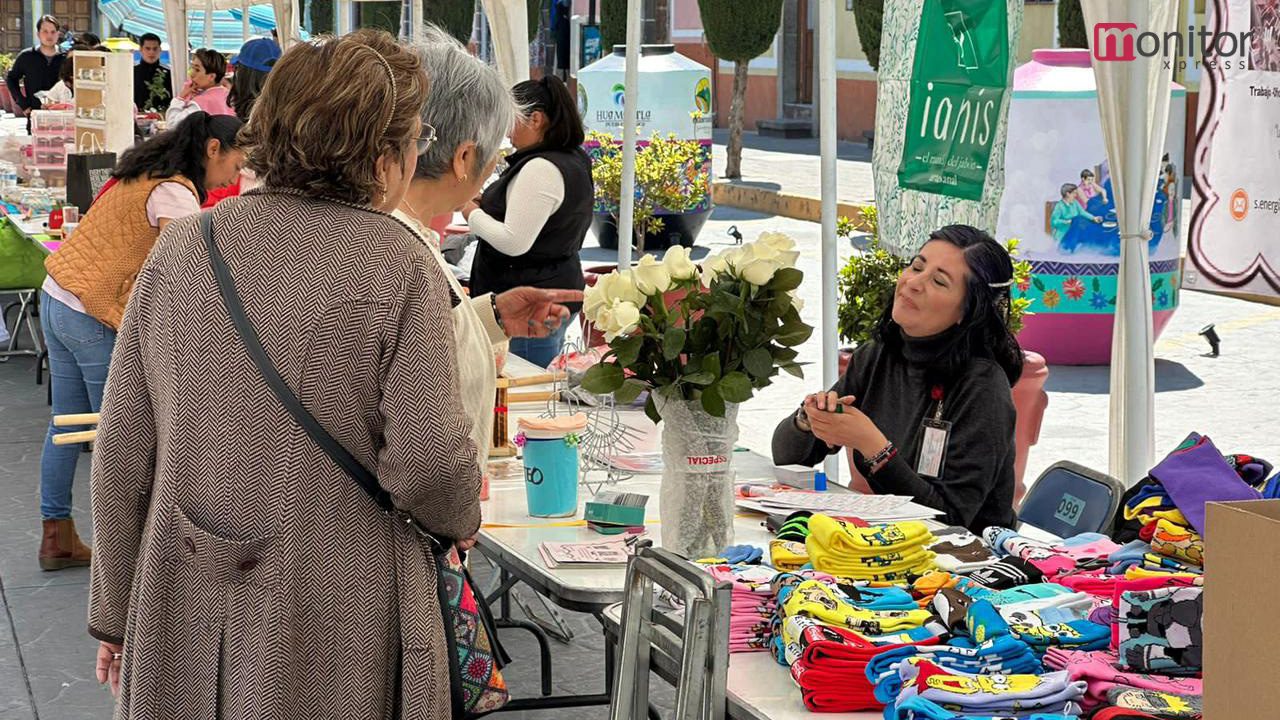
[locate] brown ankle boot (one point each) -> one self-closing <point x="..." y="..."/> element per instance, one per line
<point x="61" y="546"/>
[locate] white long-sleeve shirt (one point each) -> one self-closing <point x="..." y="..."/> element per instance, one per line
<point x="532" y="197"/>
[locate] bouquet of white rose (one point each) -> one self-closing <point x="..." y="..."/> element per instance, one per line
<point x="701" y="341"/>
<point x="725" y="331"/>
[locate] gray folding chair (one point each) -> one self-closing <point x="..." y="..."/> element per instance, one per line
<point x="1068" y="499"/>
<point x="691" y="651"/>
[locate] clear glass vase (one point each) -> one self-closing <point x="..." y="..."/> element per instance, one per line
<point x="696" y="503"/>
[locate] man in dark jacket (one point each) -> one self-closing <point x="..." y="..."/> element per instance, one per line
<point x="144" y="74"/>
<point x="36" y="68"/>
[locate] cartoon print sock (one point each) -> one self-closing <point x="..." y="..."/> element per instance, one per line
<point x="1097" y="669"/>
<point x="827" y="604"/>
<point x="959" y="550"/>
<point x="1160" y="704"/>
<point x="917" y="708"/>
<point x="1160" y="630"/>
<point x="994" y="694"/>
<point x="984" y="622"/>
<point x="787" y="554"/>
<point x="1078" y="634"/>
<point x="952" y="607"/>
<point x="1178" y="542"/>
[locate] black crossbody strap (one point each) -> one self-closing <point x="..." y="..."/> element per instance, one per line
<point x="317" y="433"/>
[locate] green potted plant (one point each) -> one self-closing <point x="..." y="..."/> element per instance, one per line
<point x="668" y="177"/>
<point x="698" y="373"/>
<point x="865" y="286"/>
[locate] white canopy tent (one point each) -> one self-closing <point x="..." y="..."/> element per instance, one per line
<point x="1133" y="100"/>
<point x="175" y="20"/>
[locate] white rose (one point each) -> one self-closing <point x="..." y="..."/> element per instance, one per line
<point x="593" y="299"/>
<point x="759" y="271"/>
<point x="797" y="302"/>
<point x="715" y="266"/>
<point x="767" y="251"/>
<point x="652" y="277"/>
<point x="678" y="263"/>
<point x="778" y="241"/>
<point x="618" y="318"/>
<point x="619" y="286"/>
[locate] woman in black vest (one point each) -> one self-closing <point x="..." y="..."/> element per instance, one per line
<point x="532" y="220"/>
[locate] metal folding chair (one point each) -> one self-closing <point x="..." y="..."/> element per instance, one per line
<point x="692" y="650"/>
<point x="27" y="306"/>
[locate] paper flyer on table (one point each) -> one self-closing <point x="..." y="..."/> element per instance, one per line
<point x="589" y="554"/>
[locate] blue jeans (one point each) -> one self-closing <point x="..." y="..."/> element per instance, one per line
<point x="541" y="351"/>
<point x="79" y="354"/>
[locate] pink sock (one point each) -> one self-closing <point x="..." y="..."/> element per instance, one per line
<point x="1097" y="669"/>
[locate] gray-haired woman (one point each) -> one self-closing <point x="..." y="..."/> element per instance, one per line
<point x="470" y="110"/>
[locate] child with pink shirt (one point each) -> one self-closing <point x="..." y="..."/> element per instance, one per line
<point x="203" y="90"/>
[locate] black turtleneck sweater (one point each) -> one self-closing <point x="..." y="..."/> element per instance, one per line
<point x="976" y="487"/>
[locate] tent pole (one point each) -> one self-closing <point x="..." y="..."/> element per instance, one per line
<point x="208" y="23"/>
<point x="827" y="149"/>
<point x="244" y="20"/>
<point x="631" y="82"/>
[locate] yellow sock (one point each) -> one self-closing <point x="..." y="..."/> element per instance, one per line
<point x="788" y="555"/>
<point x="822" y="602"/>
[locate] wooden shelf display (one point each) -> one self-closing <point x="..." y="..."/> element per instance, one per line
<point x="104" y="101"/>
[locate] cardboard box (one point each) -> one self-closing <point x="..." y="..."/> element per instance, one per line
<point x="1241" y="584"/>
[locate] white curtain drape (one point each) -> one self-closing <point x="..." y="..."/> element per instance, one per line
<point x="1133" y="100"/>
<point x="286" y="21"/>
<point x="509" y="27"/>
<point x="175" y="23"/>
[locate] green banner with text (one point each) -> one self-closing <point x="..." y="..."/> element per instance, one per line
<point x="958" y="84"/>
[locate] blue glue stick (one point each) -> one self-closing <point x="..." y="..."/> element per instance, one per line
<point x="820" y="482"/>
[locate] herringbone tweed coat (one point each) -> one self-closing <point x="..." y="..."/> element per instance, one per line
<point x="246" y="574"/>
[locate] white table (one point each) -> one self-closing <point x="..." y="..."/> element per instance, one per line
<point x="758" y="687"/>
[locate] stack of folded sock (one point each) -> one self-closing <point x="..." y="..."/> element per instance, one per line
<point x="917" y="708"/>
<point x="752" y="606"/>
<point x="990" y="695"/>
<point x="1080" y="552"/>
<point x="1128" y="556"/>
<point x="1040" y="629"/>
<point x="829" y="664"/>
<point x="1009" y="572"/>
<point x="896" y="552"/>
<point x="960" y="551"/>
<point x="1002" y="655"/>
<point x="1098" y="670"/>
<point x="1160" y="631"/>
<point x="930" y="584"/>
<point x="788" y="555"/>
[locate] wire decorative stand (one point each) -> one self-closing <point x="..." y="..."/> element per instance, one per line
<point x="606" y="435"/>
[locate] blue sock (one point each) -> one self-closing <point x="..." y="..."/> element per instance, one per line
<point x="984" y="621"/>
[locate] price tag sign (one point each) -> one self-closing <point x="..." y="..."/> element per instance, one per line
<point x="1069" y="510"/>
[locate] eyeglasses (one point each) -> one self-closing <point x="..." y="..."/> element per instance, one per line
<point x="427" y="137"/>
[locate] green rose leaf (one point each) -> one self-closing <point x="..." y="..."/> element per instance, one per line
<point x="712" y="401"/>
<point x="701" y="379"/>
<point x="628" y="349"/>
<point x="604" y="378"/>
<point x="786" y="279"/>
<point x="711" y="364"/>
<point x="651" y="410"/>
<point x="758" y="362"/>
<point x="795" y="336"/>
<point x="793" y="368"/>
<point x="673" y="343"/>
<point x="734" y="387"/>
<point x="628" y="393"/>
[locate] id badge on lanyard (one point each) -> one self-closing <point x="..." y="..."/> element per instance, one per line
<point x="934" y="433"/>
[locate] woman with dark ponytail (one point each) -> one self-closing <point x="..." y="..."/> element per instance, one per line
<point x="925" y="409"/>
<point x="531" y="222"/>
<point x="90" y="279"/>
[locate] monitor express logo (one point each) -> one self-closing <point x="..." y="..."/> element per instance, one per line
<point x="1239" y="205"/>
<point x="1114" y="41"/>
<point x="1121" y="42"/>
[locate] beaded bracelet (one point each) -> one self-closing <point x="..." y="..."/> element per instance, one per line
<point x="497" y="316"/>
<point x="884" y="456"/>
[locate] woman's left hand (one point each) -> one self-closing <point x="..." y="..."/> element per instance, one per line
<point x="850" y="428"/>
<point x="109" y="666"/>
<point x="534" y="312"/>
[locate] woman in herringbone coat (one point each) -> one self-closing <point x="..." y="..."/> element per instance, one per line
<point x="238" y="572"/>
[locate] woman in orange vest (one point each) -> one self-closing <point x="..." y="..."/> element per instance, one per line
<point x="91" y="277"/>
